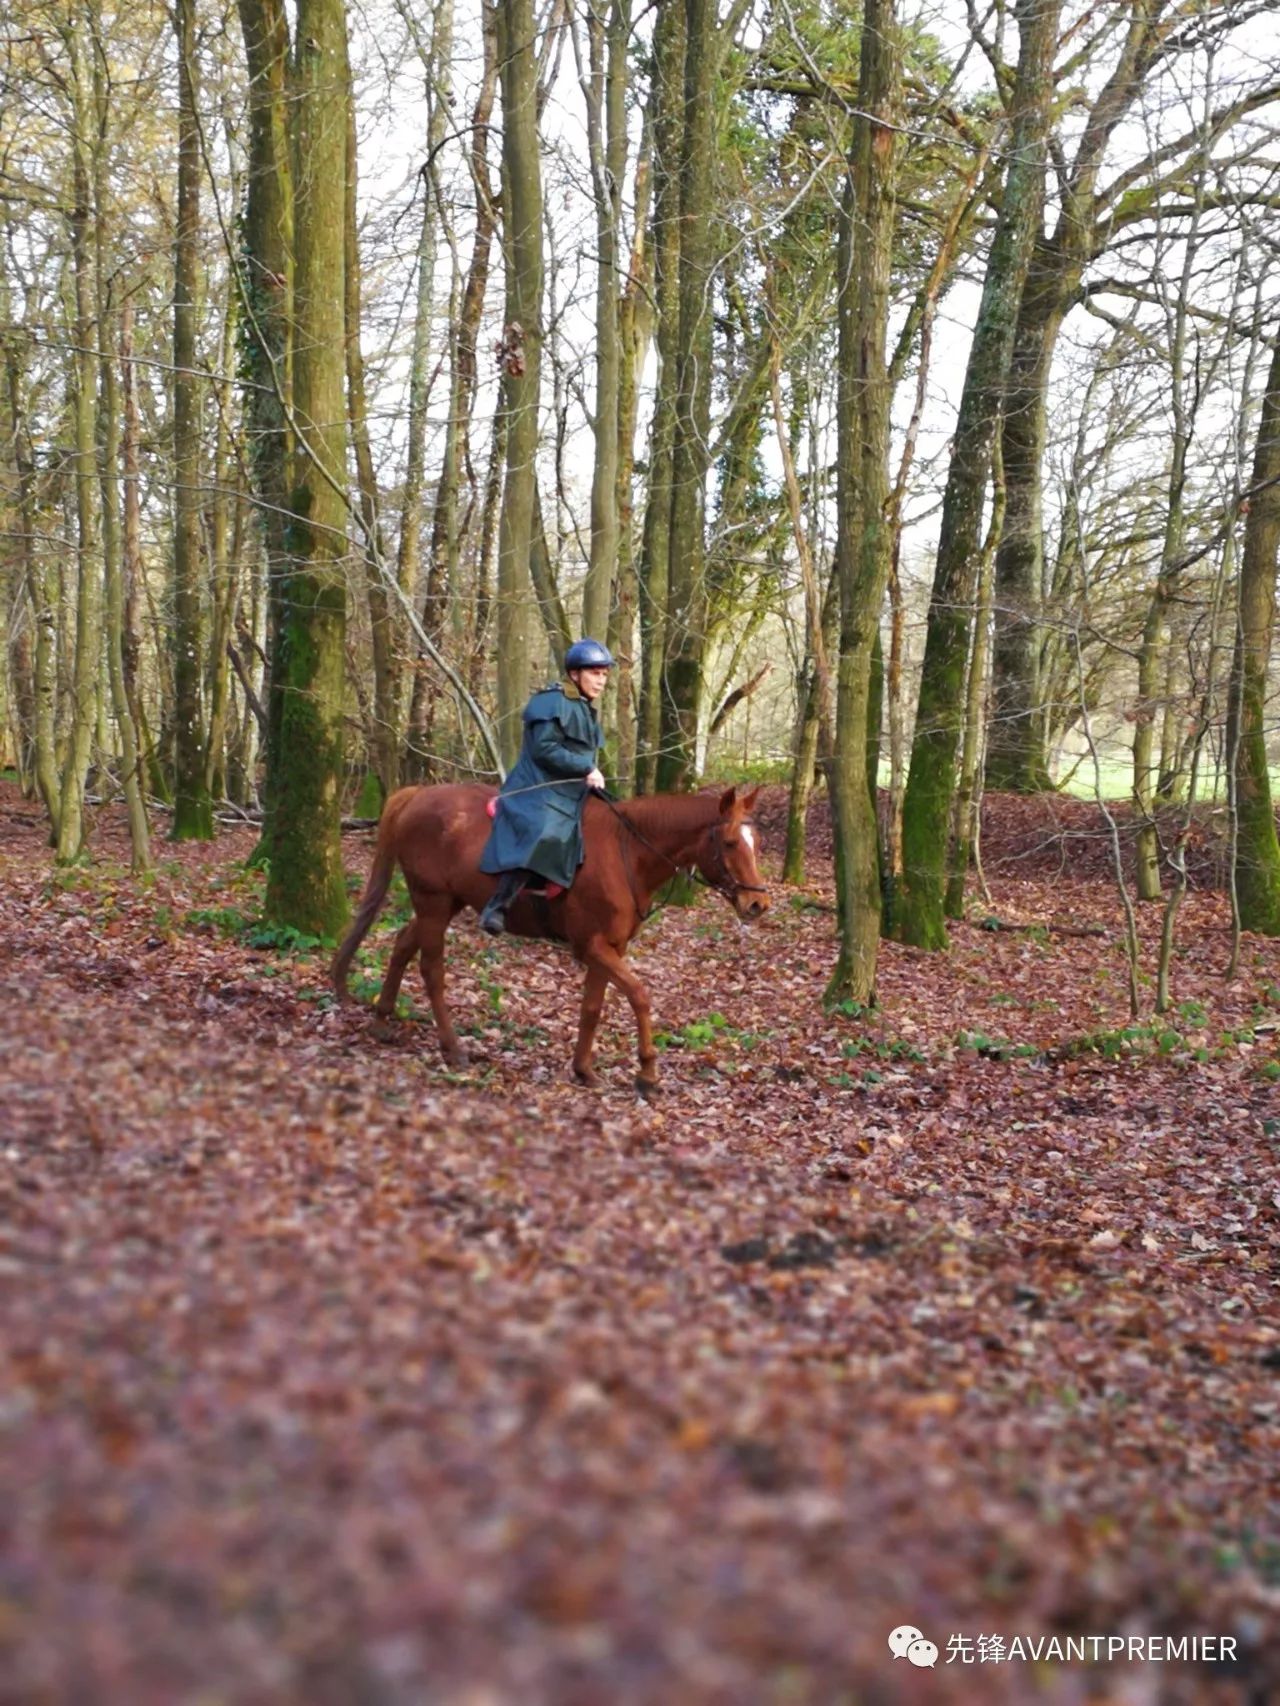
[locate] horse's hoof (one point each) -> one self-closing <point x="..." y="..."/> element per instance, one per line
<point x="648" y="1088"/>
<point x="458" y="1059"/>
<point x="589" y="1079"/>
<point x="384" y="1029"/>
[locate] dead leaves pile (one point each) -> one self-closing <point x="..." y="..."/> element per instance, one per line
<point x="330" y="1377"/>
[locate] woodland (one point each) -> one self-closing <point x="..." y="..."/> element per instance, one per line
<point x="895" y="389"/>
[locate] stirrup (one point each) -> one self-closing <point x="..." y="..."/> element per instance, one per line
<point x="493" y="919"/>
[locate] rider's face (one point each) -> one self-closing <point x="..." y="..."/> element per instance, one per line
<point x="591" y="682"/>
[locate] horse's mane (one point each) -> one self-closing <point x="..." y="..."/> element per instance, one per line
<point x="681" y="814"/>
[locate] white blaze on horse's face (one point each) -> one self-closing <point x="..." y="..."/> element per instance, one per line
<point x="749" y="836"/>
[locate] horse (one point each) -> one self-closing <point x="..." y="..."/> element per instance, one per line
<point x="631" y="848"/>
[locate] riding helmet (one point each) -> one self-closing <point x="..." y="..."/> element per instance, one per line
<point x="588" y="654"/>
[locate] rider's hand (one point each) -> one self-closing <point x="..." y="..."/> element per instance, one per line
<point x="595" y="780"/>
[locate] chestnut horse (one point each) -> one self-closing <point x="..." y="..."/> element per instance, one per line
<point x="632" y="848"/>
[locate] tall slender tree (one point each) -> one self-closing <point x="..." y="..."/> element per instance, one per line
<point x="522" y="359"/>
<point x="862" y="490"/>
<point x="192" y="806"/>
<point x="266" y="291"/>
<point x="685" y="628"/>
<point x="667" y="100"/>
<point x="940" y="710"/>
<point x="110" y="415"/>
<point x="1257" y="857"/>
<point x="603" y="76"/>
<point x="82" y="378"/>
<point x="306" y="888"/>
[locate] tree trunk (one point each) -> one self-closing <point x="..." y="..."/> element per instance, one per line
<point x="862" y="490"/>
<point x="1016" y="759"/>
<point x="112" y="531"/>
<point x="306" y="888"/>
<point x="266" y="299"/>
<point x="437" y="68"/>
<point x="81" y="371"/>
<point x="382" y="624"/>
<point x="1257" y="860"/>
<point x="635" y="325"/>
<point x="192" y="807"/>
<point x="133" y="567"/>
<point x="964" y="832"/>
<point x="605" y="88"/>
<point x="522" y="345"/>
<point x="814" y="679"/>
<point x="655" y="560"/>
<point x="686" y="615"/>
<point x="1017" y="750"/>
<point x="940" y="712"/>
<point x="40" y="586"/>
<point x="225" y="539"/>
<point x="1154" y="653"/>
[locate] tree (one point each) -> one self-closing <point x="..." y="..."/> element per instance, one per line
<point x="603" y="76"/>
<point x="82" y="377"/>
<point x="1257" y="854"/>
<point x="522" y="359"/>
<point x="940" y="711"/>
<point x="265" y="282"/>
<point x="306" y="888"/>
<point x="1088" y="220"/>
<point x="192" y="807"/>
<point x="110" y="413"/>
<point x="862" y="539"/>
<point x="685" y="628"/>
<point x="666" y="96"/>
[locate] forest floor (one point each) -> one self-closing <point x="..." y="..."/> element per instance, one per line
<point x="331" y="1377"/>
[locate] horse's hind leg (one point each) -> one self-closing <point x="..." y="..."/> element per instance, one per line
<point x="433" y="921"/>
<point x="406" y="945"/>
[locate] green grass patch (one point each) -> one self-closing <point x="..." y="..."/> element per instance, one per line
<point x="233" y="924"/>
<point x="1162" y="1040"/>
<point x="893" y="1048"/>
<point x="756" y="772"/>
<point x="708" y="1033"/>
<point x="994" y="1047"/>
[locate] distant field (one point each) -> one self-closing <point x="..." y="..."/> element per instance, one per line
<point x="1116" y="776"/>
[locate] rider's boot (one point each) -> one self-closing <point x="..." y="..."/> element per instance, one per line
<point x="493" y="920"/>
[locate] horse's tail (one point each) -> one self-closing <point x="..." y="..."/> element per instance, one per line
<point x="375" y="890"/>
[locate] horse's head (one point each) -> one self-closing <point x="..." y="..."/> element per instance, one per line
<point x="727" y="857"/>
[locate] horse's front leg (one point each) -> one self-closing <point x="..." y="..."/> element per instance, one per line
<point x="593" y="993"/>
<point x="605" y="956"/>
<point x="432" y="925"/>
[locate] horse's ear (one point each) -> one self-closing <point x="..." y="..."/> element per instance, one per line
<point x="748" y="802"/>
<point x="727" y="801"/>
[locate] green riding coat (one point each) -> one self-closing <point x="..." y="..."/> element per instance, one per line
<point x="539" y="828"/>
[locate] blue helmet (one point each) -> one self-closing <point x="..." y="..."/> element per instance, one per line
<point x="588" y="654"/>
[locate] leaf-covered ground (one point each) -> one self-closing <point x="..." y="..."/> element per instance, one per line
<point x="332" y="1378"/>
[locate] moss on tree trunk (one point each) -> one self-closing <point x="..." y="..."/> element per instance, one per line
<point x="306" y="888"/>
<point x="1257" y="863"/>
<point x="863" y="538"/>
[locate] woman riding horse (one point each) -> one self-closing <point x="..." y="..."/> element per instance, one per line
<point x="537" y="828"/>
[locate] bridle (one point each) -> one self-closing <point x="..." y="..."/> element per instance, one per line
<point x="722" y="881"/>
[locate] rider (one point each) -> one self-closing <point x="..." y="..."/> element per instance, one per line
<point x="537" y="831"/>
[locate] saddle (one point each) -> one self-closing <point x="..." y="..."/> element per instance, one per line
<point x="536" y="887"/>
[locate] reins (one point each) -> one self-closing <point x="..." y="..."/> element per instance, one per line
<point x="730" y="888"/>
